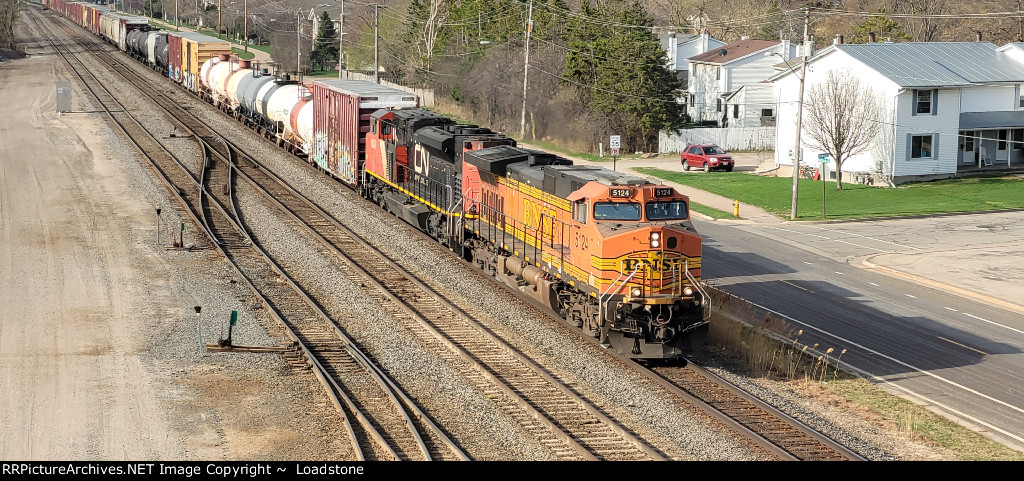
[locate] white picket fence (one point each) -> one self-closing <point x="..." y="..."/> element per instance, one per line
<point x="736" y="138"/>
<point x="426" y="96"/>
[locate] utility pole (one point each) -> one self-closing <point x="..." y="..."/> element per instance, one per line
<point x="298" y="42"/>
<point x="218" y="18"/>
<point x="376" y="47"/>
<point x="799" y="116"/>
<point x="526" y="71"/>
<point x="245" y="24"/>
<point x="175" y="14"/>
<point x="341" y="39"/>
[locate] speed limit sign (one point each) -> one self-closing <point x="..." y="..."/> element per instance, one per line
<point x="614" y="142"/>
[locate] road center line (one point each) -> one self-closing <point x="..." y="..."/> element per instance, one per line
<point x="1004" y="326"/>
<point x="963" y="346"/>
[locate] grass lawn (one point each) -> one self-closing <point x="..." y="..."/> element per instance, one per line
<point x="323" y="74"/>
<point x="710" y="211"/>
<point x="775" y="194"/>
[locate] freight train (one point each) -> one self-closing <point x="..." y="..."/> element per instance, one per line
<point x="613" y="254"/>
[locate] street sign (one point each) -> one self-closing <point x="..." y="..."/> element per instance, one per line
<point x="823" y="158"/>
<point x="615" y="151"/>
<point x="614" y="142"/>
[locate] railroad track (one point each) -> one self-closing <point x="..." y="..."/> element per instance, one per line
<point x="376" y="436"/>
<point x="783" y="435"/>
<point x="571" y="426"/>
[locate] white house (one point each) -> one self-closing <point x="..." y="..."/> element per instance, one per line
<point x="948" y="107"/>
<point x="727" y="85"/>
<point x="679" y="47"/>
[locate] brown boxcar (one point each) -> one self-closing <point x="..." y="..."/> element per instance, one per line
<point x="341" y="119"/>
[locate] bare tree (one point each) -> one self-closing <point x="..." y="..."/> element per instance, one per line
<point x="8" y="18"/>
<point x="842" y="118"/>
<point x="437" y="13"/>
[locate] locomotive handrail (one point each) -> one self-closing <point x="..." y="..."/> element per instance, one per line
<point x="601" y="300"/>
<point x="706" y="307"/>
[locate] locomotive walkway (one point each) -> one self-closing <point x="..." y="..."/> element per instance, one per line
<point x="991" y="271"/>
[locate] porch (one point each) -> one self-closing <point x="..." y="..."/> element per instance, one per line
<point x="990" y="141"/>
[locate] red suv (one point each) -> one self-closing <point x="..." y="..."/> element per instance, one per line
<point x="707" y="156"/>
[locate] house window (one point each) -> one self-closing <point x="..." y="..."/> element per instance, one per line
<point x="736" y="111"/>
<point x="718" y="105"/>
<point x="1018" y="139"/>
<point x="923" y="102"/>
<point x="1020" y="97"/>
<point x="718" y="73"/>
<point x="921" y="146"/>
<point x="767" y="112"/>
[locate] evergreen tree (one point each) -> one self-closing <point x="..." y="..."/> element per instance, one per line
<point x="325" y="48"/>
<point x="777" y="24"/>
<point x="618" y="69"/>
<point x="881" y="25"/>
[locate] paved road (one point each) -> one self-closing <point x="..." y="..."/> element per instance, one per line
<point x="931" y="308"/>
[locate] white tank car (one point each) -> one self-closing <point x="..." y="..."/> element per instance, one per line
<point x="204" y="71"/>
<point x="280" y="103"/>
<point x="151" y="44"/>
<point x="218" y="76"/>
<point x="263" y="97"/>
<point x="231" y="86"/>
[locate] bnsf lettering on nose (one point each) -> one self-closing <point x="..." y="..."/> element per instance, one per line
<point x="663" y="265"/>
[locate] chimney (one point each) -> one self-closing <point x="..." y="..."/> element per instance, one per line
<point x="978" y="37"/>
<point x="785" y="49"/>
<point x="838" y="40"/>
<point x="871" y="37"/>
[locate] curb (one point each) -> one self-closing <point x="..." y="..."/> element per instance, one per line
<point x="942" y="286"/>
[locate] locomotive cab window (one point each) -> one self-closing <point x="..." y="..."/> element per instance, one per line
<point x="616" y="211"/>
<point x="670" y="210"/>
<point x="579" y="212"/>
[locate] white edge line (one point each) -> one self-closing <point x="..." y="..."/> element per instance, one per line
<point x="927" y="373"/>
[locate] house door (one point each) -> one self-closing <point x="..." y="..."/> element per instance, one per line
<point x="968" y="153"/>
<point x="1016" y="146"/>
<point x="1002" y="146"/>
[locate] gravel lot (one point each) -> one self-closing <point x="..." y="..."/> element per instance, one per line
<point x="97" y="321"/>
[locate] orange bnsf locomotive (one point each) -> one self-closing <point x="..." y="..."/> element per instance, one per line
<point x="615" y="254"/>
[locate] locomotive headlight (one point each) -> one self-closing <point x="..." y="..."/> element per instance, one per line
<point x="636" y="292"/>
<point x="655" y="239"/>
<point x="655" y="243"/>
<point x="688" y="291"/>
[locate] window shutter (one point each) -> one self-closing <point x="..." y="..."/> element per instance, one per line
<point x="935" y="101"/>
<point x="935" y="146"/>
<point x="910" y="146"/>
<point x="913" y="102"/>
